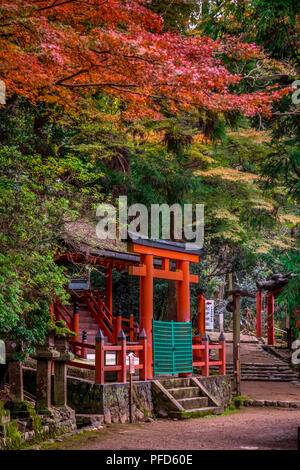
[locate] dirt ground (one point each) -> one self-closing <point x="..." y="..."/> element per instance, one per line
<point x="248" y="429"/>
<point x="285" y="391"/>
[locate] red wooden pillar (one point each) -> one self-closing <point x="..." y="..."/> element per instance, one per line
<point x="197" y="353"/>
<point x="183" y="293"/>
<point x="201" y="314"/>
<point x="270" y="320"/>
<point x="258" y="313"/>
<point x="108" y="287"/>
<point x="131" y="326"/>
<point x="143" y="355"/>
<point x="205" y="356"/>
<point x="183" y="297"/>
<point x="122" y="357"/>
<point x="146" y="308"/>
<point x="117" y="326"/>
<point x="99" y="358"/>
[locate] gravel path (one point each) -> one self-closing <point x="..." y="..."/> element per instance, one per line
<point x="251" y="428"/>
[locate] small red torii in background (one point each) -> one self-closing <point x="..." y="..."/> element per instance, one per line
<point x="274" y="287"/>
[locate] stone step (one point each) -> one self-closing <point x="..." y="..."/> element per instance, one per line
<point x="268" y="379"/>
<point x="88" y="326"/>
<point x="175" y="382"/>
<point x="185" y="392"/>
<point x="193" y="403"/>
<point x="196" y="412"/>
<point x="262" y="369"/>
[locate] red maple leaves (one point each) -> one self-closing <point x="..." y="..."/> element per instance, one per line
<point x="56" y="50"/>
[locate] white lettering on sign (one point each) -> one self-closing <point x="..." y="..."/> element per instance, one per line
<point x="209" y="314"/>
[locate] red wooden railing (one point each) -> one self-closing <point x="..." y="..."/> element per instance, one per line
<point x="121" y="349"/>
<point x="201" y="359"/>
<point x="130" y="328"/>
<point x="100" y="313"/>
<point x="62" y="313"/>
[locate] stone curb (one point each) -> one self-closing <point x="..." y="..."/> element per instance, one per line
<point x="273" y="403"/>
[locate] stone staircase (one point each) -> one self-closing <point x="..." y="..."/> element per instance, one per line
<point x="279" y="371"/>
<point x="186" y="397"/>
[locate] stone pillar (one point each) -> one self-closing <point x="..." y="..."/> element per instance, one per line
<point x="43" y="384"/>
<point x="60" y="370"/>
<point x="15" y="371"/>
<point x="44" y="355"/>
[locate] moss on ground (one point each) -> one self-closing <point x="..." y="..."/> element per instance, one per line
<point x="78" y="441"/>
<point x="12" y="435"/>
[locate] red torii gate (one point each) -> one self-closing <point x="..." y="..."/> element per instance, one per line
<point x="273" y="287"/>
<point x="270" y="316"/>
<point x="167" y="251"/>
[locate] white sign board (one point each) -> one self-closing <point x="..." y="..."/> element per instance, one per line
<point x="209" y="314"/>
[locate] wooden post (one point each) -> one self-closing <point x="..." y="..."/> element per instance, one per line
<point x="201" y="314"/>
<point x="99" y="358"/>
<point x="122" y="357"/>
<point x="222" y="354"/>
<point x="108" y="287"/>
<point x="258" y="313"/>
<point x="270" y="319"/>
<point x="238" y="368"/>
<point x="131" y="372"/>
<point x="146" y="313"/>
<point x="221" y="322"/>
<point x="236" y="341"/>
<point x="84" y="340"/>
<point x="143" y="355"/>
<point x="131" y="326"/>
<point x="205" y="356"/>
<point x="130" y="397"/>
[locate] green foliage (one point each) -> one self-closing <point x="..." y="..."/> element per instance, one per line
<point x="239" y="401"/>
<point x="177" y="15"/>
